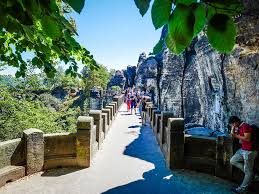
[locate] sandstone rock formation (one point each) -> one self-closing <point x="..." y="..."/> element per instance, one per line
<point x="147" y="74"/>
<point x="117" y="80"/>
<point x="203" y="85"/>
<point x="130" y="74"/>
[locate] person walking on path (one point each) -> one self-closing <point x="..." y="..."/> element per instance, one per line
<point x="245" y="156"/>
<point x="144" y="111"/>
<point x="128" y="101"/>
<point x="133" y="103"/>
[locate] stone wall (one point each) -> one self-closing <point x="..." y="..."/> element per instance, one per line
<point x="12" y="153"/>
<point x="205" y="154"/>
<point x="59" y="150"/>
<point x="37" y="151"/>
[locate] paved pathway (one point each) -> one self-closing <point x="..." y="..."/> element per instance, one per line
<point x="130" y="162"/>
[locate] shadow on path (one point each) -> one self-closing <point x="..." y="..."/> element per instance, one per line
<point x="59" y="172"/>
<point x="160" y="180"/>
<point x="126" y="114"/>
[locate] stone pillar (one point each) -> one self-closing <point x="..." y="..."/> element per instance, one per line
<point x="119" y="99"/>
<point x="109" y="118"/>
<point x="164" y="120"/>
<point x="157" y="127"/>
<point x="34" y="150"/>
<point x="98" y="121"/>
<point x="116" y="106"/>
<point x="175" y="141"/>
<point x="151" y="113"/>
<point x="153" y="123"/>
<point x="84" y="140"/>
<point x="105" y="123"/>
<point x="111" y="109"/>
<point x="116" y="99"/>
<point x="224" y="151"/>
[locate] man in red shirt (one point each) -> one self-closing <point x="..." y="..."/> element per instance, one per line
<point x="245" y="156"/>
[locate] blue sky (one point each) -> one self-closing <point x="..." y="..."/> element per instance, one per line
<point x="114" y="32"/>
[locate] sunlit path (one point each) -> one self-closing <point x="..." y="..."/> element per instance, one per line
<point x="130" y="161"/>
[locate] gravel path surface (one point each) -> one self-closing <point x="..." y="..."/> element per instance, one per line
<point x="130" y="162"/>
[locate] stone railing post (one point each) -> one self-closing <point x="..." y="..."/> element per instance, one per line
<point x="164" y="120"/>
<point x="105" y="123"/>
<point x="116" y="106"/>
<point x="111" y="109"/>
<point x="84" y="140"/>
<point x="151" y="113"/>
<point x="224" y="151"/>
<point x="153" y="123"/>
<point x="34" y="150"/>
<point x="116" y="99"/>
<point x="98" y="121"/>
<point x="109" y="115"/>
<point x="157" y="128"/>
<point x="119" y="99"/>
<point x="175" y="141"/>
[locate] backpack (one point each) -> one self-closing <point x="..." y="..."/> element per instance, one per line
<point x="256" y="135"/>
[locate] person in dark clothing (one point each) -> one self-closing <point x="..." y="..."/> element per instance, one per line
<point x="245" y="156"/>
<point x="139" y="106"/>
<point x="133" y="104"/>
<point x="143" y="111"/>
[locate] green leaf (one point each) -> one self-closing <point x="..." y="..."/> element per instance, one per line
<point x="142" y="5"/>
<point x="71" y="40"/>
<point x="160" y="12"/>
<point x="199" y="12"/>
<point x="158" y="48"/>
<point x="180" y="28"/>
<point x="18" y="74"/>
<point x="185" y="2"/>
<point x="37" y="62"/>
<point x="170" y="42"/>
<point x="49" y="70"/>
<point x="77" y="5"/>
<point x="221" y="33"/>
<point x="50" y="27"/>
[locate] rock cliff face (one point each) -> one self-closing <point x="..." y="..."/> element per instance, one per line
<point x="117" y="80"/>
<point x="203" y="85"/>
<point x="147" y="74"/>
<point x="130" y="74"/>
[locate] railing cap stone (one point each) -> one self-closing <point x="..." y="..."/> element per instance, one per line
<point x="84" y="122"/>
<point x="32" y="130"/>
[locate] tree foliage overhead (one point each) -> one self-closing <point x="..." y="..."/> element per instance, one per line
<point x="41" y="28"/>
<point x="186" y="18"/>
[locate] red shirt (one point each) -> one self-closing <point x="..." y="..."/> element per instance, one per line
<point x="247" y="145"/>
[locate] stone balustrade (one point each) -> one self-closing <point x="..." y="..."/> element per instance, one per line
<point x="36" y="151"/>
<point x="98" y="122"/>
<point x="181" y="151"/>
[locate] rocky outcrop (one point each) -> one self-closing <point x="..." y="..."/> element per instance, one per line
<point x="204" y="86"/>
<point x="147" y="76"/>
<point x="123" y="78"/>
<point x="117" y="80"/>
<point x="130" y="74"/>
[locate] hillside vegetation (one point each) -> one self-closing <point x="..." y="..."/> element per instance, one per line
<point x="49" y="104"/>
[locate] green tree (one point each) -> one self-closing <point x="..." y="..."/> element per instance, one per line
<point x="95" y="78"/>
<point x="42" y="28"/>
<point x="186" y="18"/>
